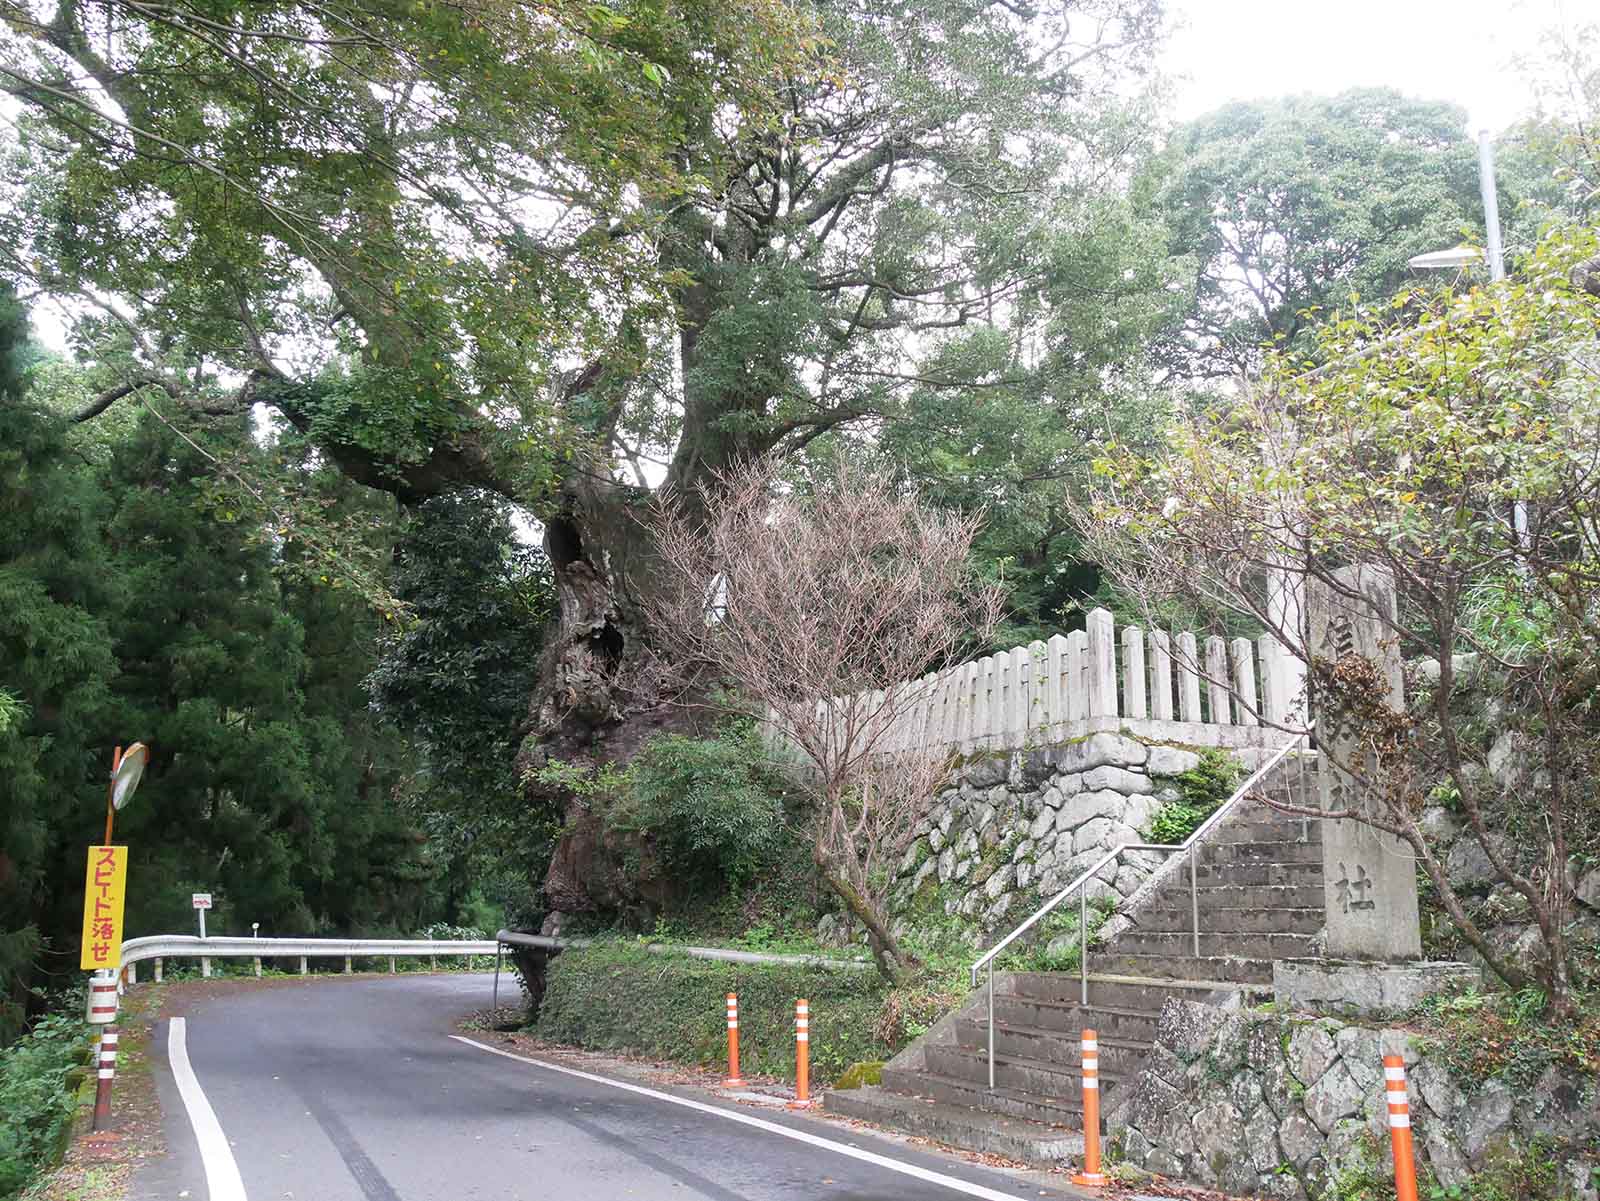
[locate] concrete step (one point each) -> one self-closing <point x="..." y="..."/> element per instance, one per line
<point x="1061" y="1112"/>
<point x="1208" y="968"/>
<point x="1181" y="942"/>
<point x="1226" y="919"/>
<point x="1118" y="1056"/>
<point x="1239" y="896"/>
<point x="1035" y="1077"/>
<point x="958" y="1125"/>
<point x="1254" y="873"/>
<point x="1069" y="1019"/>
<point x="1286" y="829"/>
<point x="1106" y="989"/>
<point x="1260" y="852"/>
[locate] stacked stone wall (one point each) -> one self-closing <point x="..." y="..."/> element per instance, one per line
<point x="1259" y="1103"/>
<point x="1014" y="828"/>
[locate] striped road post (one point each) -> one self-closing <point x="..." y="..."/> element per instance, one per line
<point x="108" y="1071"/>
<point x="733" y="1080"/>
<point x="1091" y="1174"/>
<point x="802" y="1056"/>
<point x="1405" y="1164"/>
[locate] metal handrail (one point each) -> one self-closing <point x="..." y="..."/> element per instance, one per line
<point x="1081" y="887"/>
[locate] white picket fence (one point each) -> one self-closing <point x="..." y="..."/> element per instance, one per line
<point x="1047" y="692"/>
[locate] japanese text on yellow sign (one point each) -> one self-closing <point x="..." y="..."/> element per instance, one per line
<point x="103" y="895"/>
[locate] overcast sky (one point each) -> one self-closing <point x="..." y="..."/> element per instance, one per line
<point x="1458" y="50"/>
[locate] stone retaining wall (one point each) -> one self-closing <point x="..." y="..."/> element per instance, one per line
<point x="1259" y="1103"/>
<point x="1015" y="828"/>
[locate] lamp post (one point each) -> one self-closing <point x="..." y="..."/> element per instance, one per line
<point x="1462" y="256"/>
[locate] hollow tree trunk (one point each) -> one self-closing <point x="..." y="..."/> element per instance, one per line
<point x="585" y="713"/>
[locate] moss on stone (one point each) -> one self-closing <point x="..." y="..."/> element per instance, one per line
<point x="868" y="1071"/>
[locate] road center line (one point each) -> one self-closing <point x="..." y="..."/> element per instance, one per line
<point x="800" y="1136"/>
<point x="222" y="1173"/>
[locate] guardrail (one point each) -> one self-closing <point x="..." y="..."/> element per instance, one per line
<point x="161" y="947"/>
<point x="1081" y="887"/>
<point x="720" y="954"/>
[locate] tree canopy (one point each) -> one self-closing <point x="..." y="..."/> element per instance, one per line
<point x="1288" y="208"/>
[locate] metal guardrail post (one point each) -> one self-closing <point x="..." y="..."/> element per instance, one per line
<point x="991" y="1025"/>
<point x="1194" y="900"/>
<point x="1083" y="943"/>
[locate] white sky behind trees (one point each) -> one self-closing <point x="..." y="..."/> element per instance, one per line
<point x="1463" y="51"/>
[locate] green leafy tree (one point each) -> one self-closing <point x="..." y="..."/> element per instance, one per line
<point x="1413" y="453"/>
<point x="1288" y="207"/>
<point x="55" y="661"/>
<point x="454" y="679"/>
<point x="263" y="785"/>
<point x="743" y="245"/>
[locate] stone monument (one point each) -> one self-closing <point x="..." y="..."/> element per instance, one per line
<point x="1369" y="877"/>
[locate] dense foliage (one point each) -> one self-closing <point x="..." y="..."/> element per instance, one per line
<point x="1289" y="208"/>
<point x="713" y="806"/>
<point x="37" y="1098"/>
<point x="454" y="679"/>
<point x="136" y="608"/>
<point x="676" y="1009"/>
<point x="1201" y="789"/>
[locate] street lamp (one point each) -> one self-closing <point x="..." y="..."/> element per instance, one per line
<point x="1465" y="256"/>
<point x="1462" y="256"/>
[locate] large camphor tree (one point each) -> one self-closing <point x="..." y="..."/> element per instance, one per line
<point x="577" y="254"/>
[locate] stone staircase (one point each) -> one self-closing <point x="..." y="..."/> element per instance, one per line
<point x="1260" y="895"/>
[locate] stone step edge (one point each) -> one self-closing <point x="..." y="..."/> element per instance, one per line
<point x="977" y="1130"/>
<point x="1167" y="981"/>
<point x="1067" y="1103"/>
<point x="1104" y="1040"/>
<point x="1028" y="1064"/>
<point x="1120" y="1011"/>
<point x="1311" y="910"/>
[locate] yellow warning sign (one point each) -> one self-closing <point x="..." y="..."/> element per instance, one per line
<point x="103" y="895"/>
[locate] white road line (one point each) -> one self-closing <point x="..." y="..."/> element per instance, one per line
<point x="222" y="1173"/>
<point x="800" y="1136"/>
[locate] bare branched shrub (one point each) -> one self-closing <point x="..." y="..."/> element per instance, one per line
<point x="820" y="608"/>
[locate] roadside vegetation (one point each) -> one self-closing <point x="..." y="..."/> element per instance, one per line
<point x="40" y="1074"/>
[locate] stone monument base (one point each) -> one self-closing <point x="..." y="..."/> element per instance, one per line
<point x="1352" y="988"/>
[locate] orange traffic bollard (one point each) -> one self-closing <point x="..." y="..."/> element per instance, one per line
<point x="1405" y="1164"/>
<point x="733" y="1080"/>
<point x="802" y="1056"/>
<point x="1091" y="1174"/>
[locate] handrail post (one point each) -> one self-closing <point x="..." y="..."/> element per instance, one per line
<point x="991" y="1025"/>
<point x="1194" y="900"/>
<point x="1083" y="943"/>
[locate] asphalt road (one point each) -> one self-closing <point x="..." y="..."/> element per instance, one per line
<point x="353" y="1090"/>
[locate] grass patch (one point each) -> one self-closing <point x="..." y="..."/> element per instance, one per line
<point x="1201" y="790"/>
<point x="617" y="996"/>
